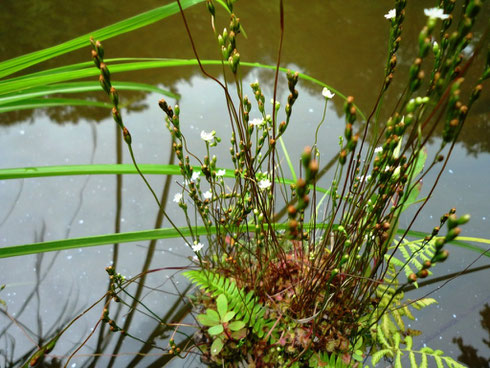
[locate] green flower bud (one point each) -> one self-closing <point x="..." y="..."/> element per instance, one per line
<point x="464" y="219"/>
<point x="440" y="256"/>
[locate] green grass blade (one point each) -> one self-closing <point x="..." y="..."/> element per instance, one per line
<point x="35" y="103"/>
<point x="107" y="169"/>
<point x="288" y="159"/>
<point x="13" y="65"/>
<point x="102" y="169"/>
<point x="80" y="87"/>
<point x="91" y="241"/>
<point x="84" y="70"/>
<point x="137" y="236"/>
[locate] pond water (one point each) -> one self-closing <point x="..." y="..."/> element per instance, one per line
<point x="341" y="43"/>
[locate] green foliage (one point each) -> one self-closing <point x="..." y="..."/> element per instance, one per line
<point x="395" y="351"/>
<point x="219" y="324"/>
<point x="392" y="308"/>
<point x="246" y="306"/>
<point x="414" y="254"/>
<point x="319" y="360"/>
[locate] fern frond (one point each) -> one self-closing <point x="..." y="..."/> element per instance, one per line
<point x="396" y="351"/>
<point x="246" y="306"/>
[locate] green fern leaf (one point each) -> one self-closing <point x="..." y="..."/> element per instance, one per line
<point x="398" y="360"/>
<point x="452" y="363"/>
<point x="381" y="338"/>
<point x="379" y="355"/>
<point x="439" y="362"/>
<point x="422" y="303"/>
<point x="413" y="362"/>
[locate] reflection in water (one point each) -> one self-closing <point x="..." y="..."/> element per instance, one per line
<point x="41" y="335"/>
<point x="469" y="355"/>
<point x="347" y="62"/>
<point x="349" y="65"/>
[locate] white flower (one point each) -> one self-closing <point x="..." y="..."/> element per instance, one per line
<point x="207" y="195"/>
<point x="195" y="175"/>
<point x="221" y="172"/>
<point x="436" y="13"/>
<point x="364" y="178"/>
<point x="256" y="122"/>
<point x="177" y="197"/>
<point x="391" y="14"/>
<point x="208" y="137"/>
<point x="327" y="93"/>
<point x="196" y="247"/>
<point x="378" y="149"/>
<point x="264" y="184"/>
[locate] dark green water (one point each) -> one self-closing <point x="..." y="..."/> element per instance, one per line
<point x="339" y="42"/>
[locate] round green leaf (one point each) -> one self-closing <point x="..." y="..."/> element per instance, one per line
<point x="207" y="320"/>
<point x="216" y="347"/>
<point x="216" y="330"/>
<point x="228" y="316"/>
<point x="222" y="305"/>
<point x="237" y="325"/>
<point x="212" y="316"/>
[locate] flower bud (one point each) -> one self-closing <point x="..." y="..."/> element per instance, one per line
<point x="210" y="6"/>
<point x="126" y="135"/>
<point x="440" y="256"/>
<point x="452" y="234"/>
<point x="464" y="219"/>
<point x="342" y="157"/>
<point x="114" y="96"/>
<point x="423" y="273"/>
<point x="412" y="278"/>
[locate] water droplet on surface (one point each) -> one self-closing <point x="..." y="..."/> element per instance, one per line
<point x="310" y="110"/>
<point x="80" y="222"/>
<point x="451" y="171"/>
<point x="454" y="316"/>
<point x="69" y="257"/>
<point x="22" y="132"/>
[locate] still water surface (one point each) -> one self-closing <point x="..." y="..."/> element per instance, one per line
<point x="339" y="42"/>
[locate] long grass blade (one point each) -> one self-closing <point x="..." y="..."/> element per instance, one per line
<point x="166" y="233"/>
<point x="35" y="103"/>
<point x="80" y="87"/>
<point x="106" y="169"/>
<point x="84" y="70"/>
<point x="13" y="65"/>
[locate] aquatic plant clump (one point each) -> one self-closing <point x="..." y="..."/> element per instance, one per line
<point x="302" y="272"/>
<point x="311" y="276"/>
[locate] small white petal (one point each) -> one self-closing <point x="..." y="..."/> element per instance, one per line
<point x="436" y="13"/>
<point x="256" y="122"/>
<point x="207" y="195"/>
<point x="378" y="149"/>
<point x="221" y="172"/>
<point x="264" y="184"/>
<point x="327" y="93"/>
<point x="197" y="247"/>
<point x="195" y="175"/>
<point x="177" y="197"/>
<point x="391" y="14"/>
<point x="208" y="137"/>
